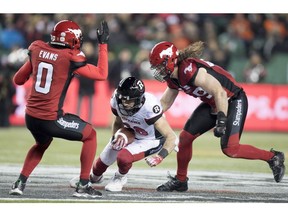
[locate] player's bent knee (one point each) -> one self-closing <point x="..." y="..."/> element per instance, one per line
<point x="186" y="138"/>
<point x="231" y="151"/>
<point x="124" y="159"/>
<point x="88" y="132"/>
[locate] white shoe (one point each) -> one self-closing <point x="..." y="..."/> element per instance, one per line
<point x="96" y="179"/>
<point x="93" y="179"/>
<point x="116" y="183"/>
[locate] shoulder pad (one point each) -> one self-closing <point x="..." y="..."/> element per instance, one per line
<point x="78" y="56"/>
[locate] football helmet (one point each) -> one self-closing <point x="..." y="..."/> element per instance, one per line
<point x="130" y="95"/>
<point x="163" y="58"/>
<point x="68" y="34"/>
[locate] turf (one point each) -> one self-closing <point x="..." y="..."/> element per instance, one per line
<point x="207" y="155"/>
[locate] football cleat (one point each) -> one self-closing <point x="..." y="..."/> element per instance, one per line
<point x="93" y="179"/>
<point x="116" y="183"/>
<point x="173" y="184"/>
<point x="86" y="191"/>
<point x="17" y="188"/>
<point x="277" y="166"/>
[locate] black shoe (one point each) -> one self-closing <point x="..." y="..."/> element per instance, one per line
<point x="17" y="188"/>
<point x="93" y="179"/>
<point x="173" y="184"/>
<point x="86" y="191"/>
<point x="276" y="163"/>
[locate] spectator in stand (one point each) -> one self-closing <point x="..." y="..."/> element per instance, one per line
<point x="276" y="36"/>
<point x="254" y="71"/>
<point x="7" y="90"/>
<point x="86" y="85"/>
<point x="121" y="67"/>
<point x="243" y="29"/>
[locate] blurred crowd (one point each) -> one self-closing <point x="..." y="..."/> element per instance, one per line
<point x="227" y="36"/>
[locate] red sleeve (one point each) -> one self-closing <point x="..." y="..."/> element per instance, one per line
<point x="99" y="72"/>
<point x="23" y="74"/>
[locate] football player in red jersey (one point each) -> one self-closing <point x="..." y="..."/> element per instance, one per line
<point x="224" y="108"/>
<point x="51" y="66"/>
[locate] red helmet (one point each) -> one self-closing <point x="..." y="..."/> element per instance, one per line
<point x="67" y="33"/>
<point x="163" y="58"/>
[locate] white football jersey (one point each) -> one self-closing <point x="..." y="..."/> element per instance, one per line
<point x="142" y="121"/>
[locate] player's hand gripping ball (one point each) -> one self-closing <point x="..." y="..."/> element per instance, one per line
<point x="122" y="138"/>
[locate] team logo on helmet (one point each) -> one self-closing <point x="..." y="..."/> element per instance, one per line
<point x="167" y="51"/>
<point x="76" y="32"/>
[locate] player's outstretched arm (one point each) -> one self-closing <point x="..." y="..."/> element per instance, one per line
<point x="99" y="71"/>
<point x="171" y="142"/>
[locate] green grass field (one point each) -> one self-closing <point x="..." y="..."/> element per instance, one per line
<point x="15" y="142"/>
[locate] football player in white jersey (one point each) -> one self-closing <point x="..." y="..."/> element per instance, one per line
<point x="134" y="108"/>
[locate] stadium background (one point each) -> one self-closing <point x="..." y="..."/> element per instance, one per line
<point x="231" y="41"/>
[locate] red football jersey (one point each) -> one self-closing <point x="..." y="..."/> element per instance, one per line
<point x="52" y="70"/>
<point x="187" y="72"/>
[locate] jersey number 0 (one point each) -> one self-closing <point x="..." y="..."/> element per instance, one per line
<point x="44" y="77"/>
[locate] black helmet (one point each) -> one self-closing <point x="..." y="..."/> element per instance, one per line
<point x="130" y="88"/>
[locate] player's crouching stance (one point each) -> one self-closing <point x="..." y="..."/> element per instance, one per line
<point x="51" y="67"/>
<point x="224" y="108"/>
<point x="133" y="108"/>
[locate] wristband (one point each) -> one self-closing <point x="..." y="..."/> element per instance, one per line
<point x="163" y="153"/>
<point x="220" y="115"/>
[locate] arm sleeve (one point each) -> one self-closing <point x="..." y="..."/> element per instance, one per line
<point x="23" y="74"/>
<point x="99" y="72"/>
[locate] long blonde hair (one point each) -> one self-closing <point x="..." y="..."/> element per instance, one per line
<point x="194" y="50"/>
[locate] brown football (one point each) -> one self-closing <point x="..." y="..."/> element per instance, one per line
<point x="129" y="132"/>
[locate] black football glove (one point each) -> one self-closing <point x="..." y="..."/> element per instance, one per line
<point x="103" y="33"/>
<point x="220" y="127"/>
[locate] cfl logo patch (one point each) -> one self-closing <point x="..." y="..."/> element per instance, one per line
<point x="188" y="69"/>
<point x="156" y="109"/>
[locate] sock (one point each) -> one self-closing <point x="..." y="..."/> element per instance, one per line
<point x="88" y="153"/>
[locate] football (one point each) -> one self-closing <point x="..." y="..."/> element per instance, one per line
<point x="128" y="132"/>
